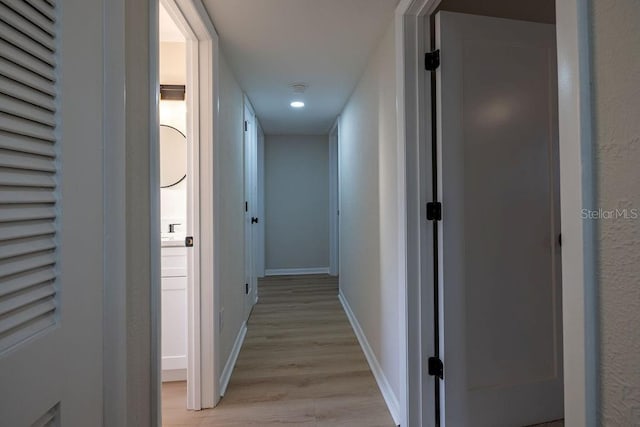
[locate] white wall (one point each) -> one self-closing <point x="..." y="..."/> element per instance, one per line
<point x="536" y="11"/>
<point x="297" y="202"/>
<point x="173" y="70"/>
<point x="231" y="164"/>
<point x="615" y="42"/>
<point x="368" y="204"/>
<point x="173" y="63"/>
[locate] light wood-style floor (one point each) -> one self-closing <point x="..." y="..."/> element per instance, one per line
<point x="300" y="365"/>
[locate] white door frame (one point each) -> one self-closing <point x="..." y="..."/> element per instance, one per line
<point x="334" y="199"/>
<point x="251" y="197"/>
<point x="132" y="214"/>
<point x="260" y="263"/>
<point x="202" y="115"/>
<point x="577" y="189"/>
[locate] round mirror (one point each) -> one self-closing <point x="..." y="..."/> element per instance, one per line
<point x="173" y="156"/>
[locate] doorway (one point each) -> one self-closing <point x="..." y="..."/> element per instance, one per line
<point x="451" y="179"/>
<point x="498" y="240"/>
<point x="575" y="142"/>
<point x="192" y="247"/>
<point x="176" y="204"/>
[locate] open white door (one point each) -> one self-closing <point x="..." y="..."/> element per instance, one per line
<point x="260" y="242"/>
<point x="499" y="257"/>
<point x="251" y="203"/>
<point x="51" y="213"/>
<point x="334" y="200"/>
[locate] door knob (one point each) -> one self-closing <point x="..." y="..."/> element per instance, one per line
<point x="254" y="220"/>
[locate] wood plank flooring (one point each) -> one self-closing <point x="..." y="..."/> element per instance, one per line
<point x="300" y="365"/>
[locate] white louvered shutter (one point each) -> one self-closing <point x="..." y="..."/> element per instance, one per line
<point x="28" y="172"/>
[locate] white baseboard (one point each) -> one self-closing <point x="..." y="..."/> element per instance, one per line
<point x="231" y="361"/>
<point x="173" y="363"/>
<point x="389" y="396"/>
<point x="169" y="375"/>
<point x="295" y="271"/>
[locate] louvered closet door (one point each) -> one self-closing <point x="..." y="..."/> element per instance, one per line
<point x="51" y="204"/>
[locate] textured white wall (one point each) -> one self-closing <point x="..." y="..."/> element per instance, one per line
<point x="230" y="162"/>
<point x="368" y="220"/>
<point x="297" y="201"/>
<point x="616" y="106"/>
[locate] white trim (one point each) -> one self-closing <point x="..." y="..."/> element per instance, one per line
<point x="389" y="396"/>
<point x="131" y="372"/>
<point x="233" y="357"/>
<point x="155" y="293"/>
<point x="295" y="271"/>
<point x="171" y="363"/>
<point x="579" y="279"/>
<point x="116" y="322"/>
<point x="170" y="375"/>
<point x="415" y="235"/>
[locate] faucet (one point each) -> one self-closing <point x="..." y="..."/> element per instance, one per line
<point x="172" y="227"/>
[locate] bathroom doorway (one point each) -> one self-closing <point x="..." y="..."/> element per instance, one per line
<point x="175" y="221"/>
<point x="188" y="328"/>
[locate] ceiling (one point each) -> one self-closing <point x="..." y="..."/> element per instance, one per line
<point x="271" y="44"/>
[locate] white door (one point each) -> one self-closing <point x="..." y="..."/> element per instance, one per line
<point x="334" y="202"/>
<point x="255" y="210"/>
<point x="251" y="205"/>
<point x="260" y="243"/>
<point x="51" y="213"/>
<point x="500" y="290"/>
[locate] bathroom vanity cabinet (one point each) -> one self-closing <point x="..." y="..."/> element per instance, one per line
<point x="174" y="312"/>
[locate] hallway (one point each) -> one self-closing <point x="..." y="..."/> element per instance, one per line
<point x="300" y="364"/>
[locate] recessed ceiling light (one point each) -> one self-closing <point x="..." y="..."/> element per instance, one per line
<point x="297" y="104"/>
<point x="299" y="87"/>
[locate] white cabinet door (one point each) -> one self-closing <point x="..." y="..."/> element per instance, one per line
<point x="501" y="331"/>
<point x="174" y="323"/>
<point x="174" y="261"/>
<point x="174" y="313"/>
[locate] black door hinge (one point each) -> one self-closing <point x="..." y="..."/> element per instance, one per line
<point x="436" y="367"/>
<point x="432" y="60"/>
<point x="245" y="126"/>
<point x="246" y="288"/>
<point x="560" y="239"/>
<point x="434" y="211"/>
<point x="246" y="206"/>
